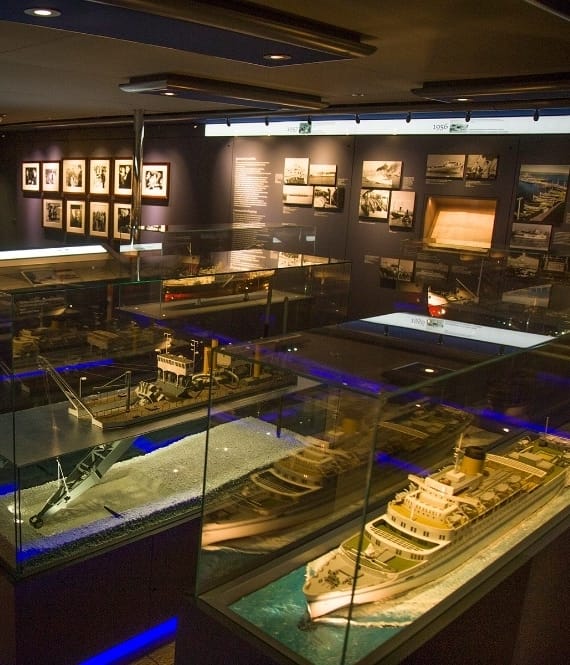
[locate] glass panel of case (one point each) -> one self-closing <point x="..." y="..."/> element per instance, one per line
<point x="105" y="387"/>
<point x="329" y="500"/>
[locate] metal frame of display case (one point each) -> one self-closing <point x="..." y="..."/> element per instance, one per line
<point x="249" y="580"/>
<point x="89" y="358"/>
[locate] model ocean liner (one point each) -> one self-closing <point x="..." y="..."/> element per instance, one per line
<point x="439" y="522"/>
<point x="302" y="485"/>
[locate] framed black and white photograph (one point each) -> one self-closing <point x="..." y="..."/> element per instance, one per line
<point x="531" y="236"/>
<point x="449" y="167"/>
<point x="31" y="176"/>
<point x="99" y="176"/>
<point x="328" y="198"/>
<point x="99" y="219"/>
<point x="322" y="174"/>
<point x="387" y="175"/>
<point x="401" y="215"/>
<point x="481" y="167"/>
<point x="122" y="221"/>
<point x="541" y="194"/>
<point x="123" y="177"/>
<point x="75" y="217"/>
<point x="51" y="173"/>
<point x="52" y="213"/>
<point x="296" y="171"/>
<point x="155" y="181"/>
<point x="374" y="204"/>
<point x="74" y="176"/>
<point x="298" y="195"/>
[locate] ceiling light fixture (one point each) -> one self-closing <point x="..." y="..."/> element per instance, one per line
<point x="276" y="57"/>
<point x="228" y="123"/>
<point x="536" y="115"/>
<point x="256" y="21"/>
<point x="468" y="116"/>
<point x="42" y="12"/>
<point x="267" y="122"/>
<point x="554" y="86"/>
<point x="193" y="87"/>
<point x="409" y="117"/>
<point x="357" y="119"/>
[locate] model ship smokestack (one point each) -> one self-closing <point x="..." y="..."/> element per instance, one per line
<point x="473" y="460"/>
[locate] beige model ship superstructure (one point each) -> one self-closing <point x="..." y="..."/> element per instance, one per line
<point x="302" y="485"/>
<point x="440" y="521"/>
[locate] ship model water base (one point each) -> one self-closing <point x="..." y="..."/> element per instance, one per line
<point x="438" y="523"/>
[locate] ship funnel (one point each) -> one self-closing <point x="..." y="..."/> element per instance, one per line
<point x="473" y="460"/>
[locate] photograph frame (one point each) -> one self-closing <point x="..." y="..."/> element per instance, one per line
<point x="296" y="171"/>
<point x="481" y="167"/>
<point x="445" y="166"/>
<point x="322" y="174"/>
<point x="402" y="208"/>
<point x="99" y="177"/>
<point x="51" y="176"/>
<point x="118" y="213"/>
<point x="99" y="219"/>
<point x="74" y="176"/>
<point x="329" y="198"/>
<point x="298" y="195"/>
<point x="52" y="214"/>
<point x="75" y="216"/>
<point x="374" y="204"/>
<point x="31" y="177"/>
<point x="381" y="174"/>
<point x="123" y="177"/>
<point x="155" y="180"/>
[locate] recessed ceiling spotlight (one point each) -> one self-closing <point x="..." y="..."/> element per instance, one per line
<point x="462" y="99"/>
<point x="42" y="12"/>
<point x="357" y="94"/>
<point x="168" y="93"/>
<point x="275" y="57"/>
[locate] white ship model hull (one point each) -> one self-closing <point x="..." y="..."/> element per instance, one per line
<point x="302" y="486"/>
<point x="435" y="527"/>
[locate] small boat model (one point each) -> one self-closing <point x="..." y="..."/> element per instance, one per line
<point x="302" y="485"/>
<point x="439" y="522"/>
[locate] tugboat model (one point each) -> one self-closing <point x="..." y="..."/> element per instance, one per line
<point x="438" y="523"/>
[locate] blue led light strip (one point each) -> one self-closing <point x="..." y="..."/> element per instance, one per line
<point x="146" y="638"/>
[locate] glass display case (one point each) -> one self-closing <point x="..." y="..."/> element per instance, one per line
<point x="345" y="517"/>
<point x="106" y="383"/>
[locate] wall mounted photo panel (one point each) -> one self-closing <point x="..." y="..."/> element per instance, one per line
<point x="401" y="215"/>
<point x="75" y="217"/>
<point x="99" y="177"/>
<point x="531" y="236"/>
<point x="541" y="194"/>
<point x="298" y="195"/>
<point x="30" y="176"/>
<point x="99" y="219"/>
<point x="52" y="213"/>
<point x="374" y="204"/>
<point x="51" y="175"/>
<point x="122" y="221"/>
<point x="328" y="198"/>
<point x="74" y="176"/>
<point x="123" y="177"/>
<point x="322" y="174"/>
<point x="445" y="166"/>
<point x="296" y="171"/>
<point x="387" y="175"/>
<point x="155" y="181"/>
<point x="481" y="167"/>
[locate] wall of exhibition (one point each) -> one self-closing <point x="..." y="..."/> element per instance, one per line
<point x="409" y="211"/>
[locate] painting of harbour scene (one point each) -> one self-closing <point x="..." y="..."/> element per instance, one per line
<point x="541" y="194"/>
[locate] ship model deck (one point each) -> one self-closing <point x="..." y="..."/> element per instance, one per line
<point x="438" y="522"/>
<point x="303" y="485"/>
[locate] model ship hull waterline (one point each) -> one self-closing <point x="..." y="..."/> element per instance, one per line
<point x="439" y="522"/>
<point x="304" y="484"/>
